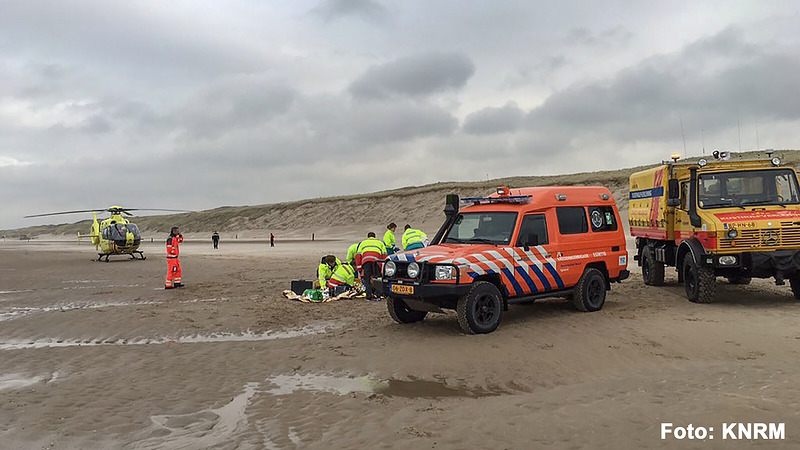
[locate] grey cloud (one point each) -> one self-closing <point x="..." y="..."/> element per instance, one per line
<point x="706" y="83"/>
<point x="494" y="120"/>
<point x="415" y="76"/>
<point x="366" y="9"/>
<point x="611" y="36"/>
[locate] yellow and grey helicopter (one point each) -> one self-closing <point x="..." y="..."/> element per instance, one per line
<point x="115" y="235"/>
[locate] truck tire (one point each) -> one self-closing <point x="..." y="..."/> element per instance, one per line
<point x="589" y="294"/>
<point x="794" y="281"/>
<point x="699" y="281"/>
<point x="652" y="270"/>
<point x="739" y="279"/>
<point x="479" y="309"/>
<point x="401" y="313"/>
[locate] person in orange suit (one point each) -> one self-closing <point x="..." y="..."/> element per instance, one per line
<point x="173" y="261"/>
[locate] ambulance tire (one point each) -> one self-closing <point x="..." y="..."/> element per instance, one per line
<point x="739" y="279"/>
<point x="794" y="281"/>
<point x="401" y="313"/>
<point x="589" y="294"/>
<point x="479" y="309"/>
<point x="652" y="270"/>
<point x="699" y="281"/>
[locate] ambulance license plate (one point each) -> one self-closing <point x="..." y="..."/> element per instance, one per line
<point x="400" y="289"/>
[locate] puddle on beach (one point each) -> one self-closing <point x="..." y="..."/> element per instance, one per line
<point x="14" y="381"/>
<point x="15" y="312"/>
<point x="342" y="385"/>
<point x="194" y="339"/>
<point x="201" y="429"/>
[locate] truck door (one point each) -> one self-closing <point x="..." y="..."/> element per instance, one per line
<point x="532" y="259"/>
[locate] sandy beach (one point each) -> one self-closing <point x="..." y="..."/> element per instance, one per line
<point x="98" y="355"/>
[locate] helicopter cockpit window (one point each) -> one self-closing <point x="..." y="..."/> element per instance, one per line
<point x="135" y="230"/>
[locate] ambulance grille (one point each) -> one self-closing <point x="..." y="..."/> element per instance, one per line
<point x="768" y="237"/>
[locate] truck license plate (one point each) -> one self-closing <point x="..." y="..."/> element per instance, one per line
<point x="400" y="289"/>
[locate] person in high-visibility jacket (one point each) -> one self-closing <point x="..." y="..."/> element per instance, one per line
<point x="370" y="253"/>
<point x="389" y="240"/>
<point x="327" y="266"/>
<point x="351" y="253"/>
<point x="343" y="278"/>
<point x="413" y="239"/>
<point x="173" y="262"/>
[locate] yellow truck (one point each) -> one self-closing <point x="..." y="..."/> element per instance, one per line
<point x="721" y="217"/>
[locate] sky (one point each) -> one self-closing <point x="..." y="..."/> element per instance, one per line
<point x="195" y="104"/>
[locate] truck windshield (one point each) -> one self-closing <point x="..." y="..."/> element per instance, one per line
<point x="747" y="188"/>
<point x="482" y="227"/>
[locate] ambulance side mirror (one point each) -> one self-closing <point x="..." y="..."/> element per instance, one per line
<point x="673" y="193"/>
<point x="531" y="241"/>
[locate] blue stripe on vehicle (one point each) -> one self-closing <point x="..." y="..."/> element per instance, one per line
<point x="555" y="275"/>
<point x="646" y="193"/>
<point x="527" y="278"/>
<point x="542" y="278"/>
<point x="513" y="280"/>
<point x="410" y="258"/>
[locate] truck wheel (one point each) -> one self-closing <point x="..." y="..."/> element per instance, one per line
<point x="794" y="281"/>
<point x="479" y="309"/>
<point x="589" y="294"/>
<point x="401" y="313"/>
<point x="739" y="279"/>
<point x="699" y="281"/>
<point x="652" y="270"/>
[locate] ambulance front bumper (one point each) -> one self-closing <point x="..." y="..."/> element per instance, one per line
<point x="782" y="263"/>
<point x="428" y="292"/>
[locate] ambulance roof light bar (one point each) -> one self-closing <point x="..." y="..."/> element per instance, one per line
<point x="490" y="200"/>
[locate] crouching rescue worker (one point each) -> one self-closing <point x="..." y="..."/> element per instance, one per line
<point x="370" y="253"/>
<point x="413" y="239"/>
<point x="327" y="266"/>
<point x="343" y="279"/>
<point x="173" y="262"/>
<point x="389" y="240"/>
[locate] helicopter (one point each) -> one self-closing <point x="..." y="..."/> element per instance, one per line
<point x="115" y="235"/>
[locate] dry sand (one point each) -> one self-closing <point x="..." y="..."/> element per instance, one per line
<point x="98" y="355"/>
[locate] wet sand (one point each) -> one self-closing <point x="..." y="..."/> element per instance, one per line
<point x="98" y="355"/>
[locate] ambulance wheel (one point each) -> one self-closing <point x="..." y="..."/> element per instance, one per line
<point x="652" y="270"/>
<point x="738" y="279"/>
<point x="699" y="281"/>
<point x="479" y="309"/>
<point x="401" y="313"/>
<point x="589" y="294"/>
<point x="794" y="281"/>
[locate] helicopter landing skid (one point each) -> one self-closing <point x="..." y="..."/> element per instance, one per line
<point x="132" y="255"/>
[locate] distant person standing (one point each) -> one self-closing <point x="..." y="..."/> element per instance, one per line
<point x="215" y="239"/>
<point x="370" y="253"/>
<point x="173" y="263"/>
<point x="271" y="240"/>
<point x="389" y="240"/>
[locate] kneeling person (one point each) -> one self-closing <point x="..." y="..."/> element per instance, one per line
<point x="342" y="280"/>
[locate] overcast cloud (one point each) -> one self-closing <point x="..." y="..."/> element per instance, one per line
<point x="194" y="104"/>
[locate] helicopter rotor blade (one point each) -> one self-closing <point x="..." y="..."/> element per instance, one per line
<point x="65" y="212"/>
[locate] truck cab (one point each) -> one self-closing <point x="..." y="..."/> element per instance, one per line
<point x="513" y="246"/>
<point x="721" y="217"/>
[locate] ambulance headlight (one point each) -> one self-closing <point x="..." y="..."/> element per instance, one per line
<point x="776" y="161"/>
<point x="702" y="163"/>
<point x="413" y="270"/>
<point x="389" y="269"/>
<point x="445" y="273"/>
<point x="727" y="260"/>
<point x="733" y="234"/>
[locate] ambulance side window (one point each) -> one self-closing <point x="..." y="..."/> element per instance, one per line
<point x="533" y="225"/>
<point x="572" y="220"/>
<point x="602" y="218"/>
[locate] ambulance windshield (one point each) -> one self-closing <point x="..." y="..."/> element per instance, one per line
<point x="747" y="188"/>
<point x="482" y="227"/>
